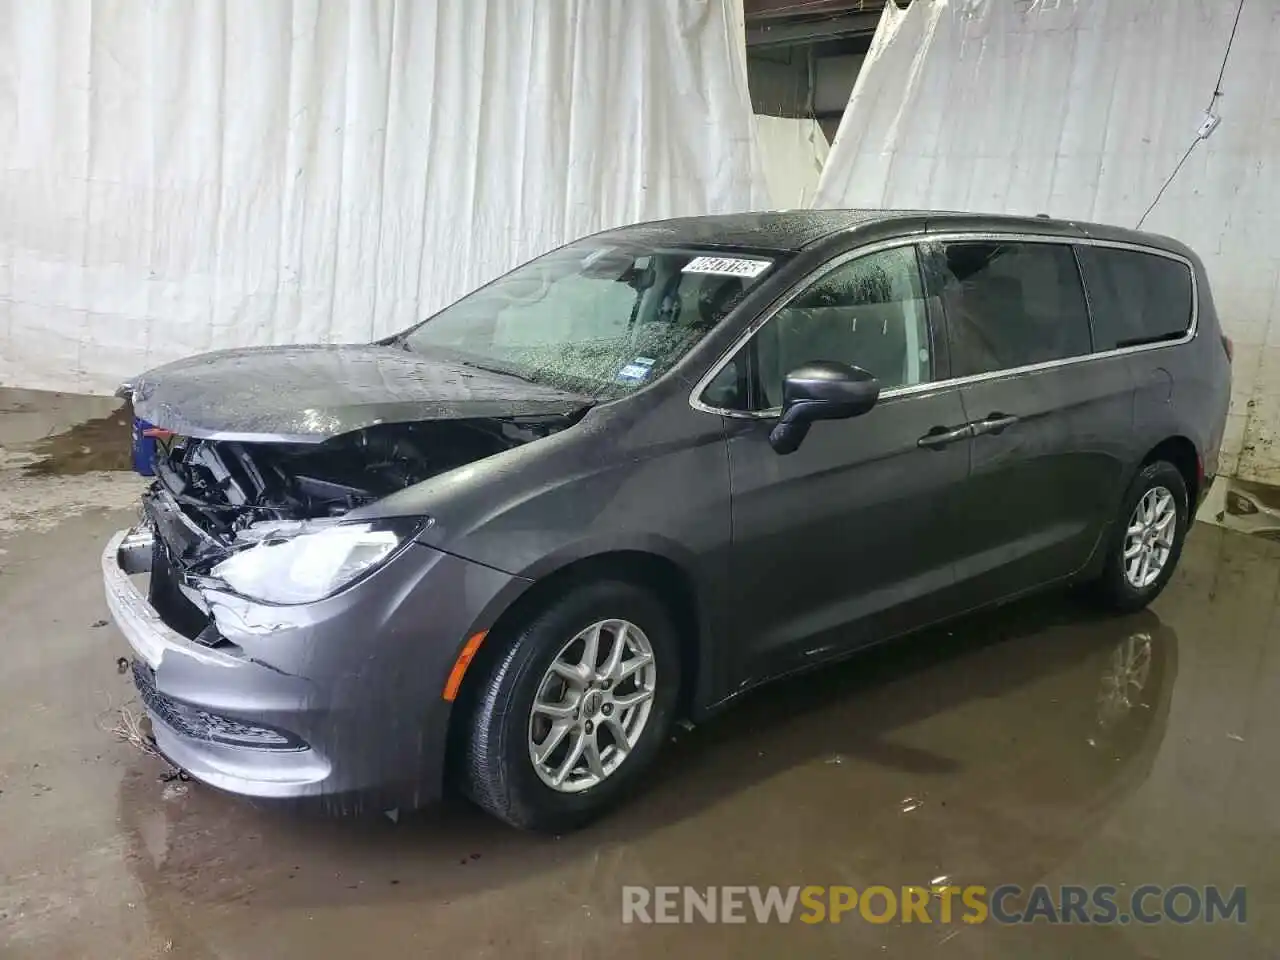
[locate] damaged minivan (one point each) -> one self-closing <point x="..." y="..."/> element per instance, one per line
<point x="504" y="551"/>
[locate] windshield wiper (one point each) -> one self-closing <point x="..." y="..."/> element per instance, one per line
<point x="453" y="356"/>
<point x="401" y="340"/>
<point x="503" y="372"/>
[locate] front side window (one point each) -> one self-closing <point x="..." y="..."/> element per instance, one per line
<point x="1012" y="305"/>
<point x="597" y="318"/>
<point x="869" y="313"/>
<point x="1136" y="297"/>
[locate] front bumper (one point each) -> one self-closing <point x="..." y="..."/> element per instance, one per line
<point x="338" y="697"/>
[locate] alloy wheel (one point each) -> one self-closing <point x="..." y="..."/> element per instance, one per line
<point x="1148" y="541"/>
<point x="592" y="705"/>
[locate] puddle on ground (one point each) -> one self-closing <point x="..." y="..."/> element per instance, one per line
<point x="103" y="443"/>
<point x="48" y="480"/>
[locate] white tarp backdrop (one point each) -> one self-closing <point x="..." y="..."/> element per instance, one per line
<point x="1084" y="109"/>
<point x="793" y="151"/>
<point x="177" y="177"/>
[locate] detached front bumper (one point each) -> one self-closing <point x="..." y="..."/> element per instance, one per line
<point x="340" y="697"/>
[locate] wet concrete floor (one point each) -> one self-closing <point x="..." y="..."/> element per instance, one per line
<point x="1038" y="744"/>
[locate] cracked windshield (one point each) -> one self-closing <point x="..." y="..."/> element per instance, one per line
<point x="595" y="319"/>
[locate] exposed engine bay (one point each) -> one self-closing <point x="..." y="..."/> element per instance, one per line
<point x="227" y="486"/>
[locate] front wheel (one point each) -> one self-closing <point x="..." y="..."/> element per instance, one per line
<point x="572" y="712"/>
<point x="1147" y="540"/>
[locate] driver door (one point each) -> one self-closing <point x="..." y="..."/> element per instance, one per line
<point x="851" y="538"/>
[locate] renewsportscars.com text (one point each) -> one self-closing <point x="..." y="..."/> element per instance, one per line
<point x="1005" y="904"/>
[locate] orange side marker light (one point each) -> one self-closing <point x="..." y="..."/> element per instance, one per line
<point x="460" y="665"/>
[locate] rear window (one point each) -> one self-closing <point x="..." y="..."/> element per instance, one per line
<point x="1136" y="297"/>
<point x="1012" y="305"/>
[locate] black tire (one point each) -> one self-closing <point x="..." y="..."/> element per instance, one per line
<point x="1112" y="587"/>
<point x="496" y="771"/>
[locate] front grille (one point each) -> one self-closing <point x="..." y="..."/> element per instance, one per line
<point x="189" y="721"/>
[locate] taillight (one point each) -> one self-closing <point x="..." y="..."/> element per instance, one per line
<point x="1228" y="346"/>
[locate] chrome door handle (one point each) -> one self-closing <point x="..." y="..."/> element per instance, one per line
<point x="995" y="423"/>
<point x="940" y="437"/>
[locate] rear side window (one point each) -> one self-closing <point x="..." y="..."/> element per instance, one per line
<point x="1012" y="305"/>
<point x="1136" y="297"/>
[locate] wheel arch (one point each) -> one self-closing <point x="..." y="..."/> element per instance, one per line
<point x="670" y="581"/>
<point x="1176" y="449"/>
<point x="1182" y="453"/>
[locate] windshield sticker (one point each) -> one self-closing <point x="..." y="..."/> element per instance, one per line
<point x="636" y="370"/>
<point x="727" y="266"/>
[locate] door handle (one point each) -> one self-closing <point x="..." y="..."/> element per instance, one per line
<point x="994" y="423"/>
<point x="939" y="437"/>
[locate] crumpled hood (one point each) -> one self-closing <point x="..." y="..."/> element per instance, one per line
<point x="306" y="394"/>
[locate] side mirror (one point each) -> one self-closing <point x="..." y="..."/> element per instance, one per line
<point x="822" y="390"/>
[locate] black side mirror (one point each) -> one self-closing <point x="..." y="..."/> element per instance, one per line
<point x="821" y="390"/>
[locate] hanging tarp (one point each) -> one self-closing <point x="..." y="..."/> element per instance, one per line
<point x="178" y="177"/>
<point x="1092" y="109"/>
<point x="793" y="150"/>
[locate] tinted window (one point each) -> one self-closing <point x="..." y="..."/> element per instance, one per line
<point x="869" y="313"/>
<point x="1136" y="297"/>
<point x="1012" y="305"/>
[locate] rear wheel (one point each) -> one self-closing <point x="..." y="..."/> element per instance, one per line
<point x="574" y="708"/>
<point x="1147" y="539"/>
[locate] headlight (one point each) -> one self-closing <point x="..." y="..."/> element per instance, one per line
<point x="313" y="564"/>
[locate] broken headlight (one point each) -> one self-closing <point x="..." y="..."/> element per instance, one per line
<point x="315" y="562"/>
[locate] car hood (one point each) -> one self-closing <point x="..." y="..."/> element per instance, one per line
<point x="308" y="394"/>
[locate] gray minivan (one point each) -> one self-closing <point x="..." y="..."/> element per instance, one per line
<point x="505" y="550"/>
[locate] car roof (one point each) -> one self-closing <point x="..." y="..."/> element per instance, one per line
<point x="794" y="230"/>
<point x="781" y="230"/>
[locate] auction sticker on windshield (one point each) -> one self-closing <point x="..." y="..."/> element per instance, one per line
<point x="727" y="266"/>
<point x="637" y="370"/>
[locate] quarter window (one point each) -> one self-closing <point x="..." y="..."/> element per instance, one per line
<point x="1012" y="305"/>
<point x="868" y="313"/>
<point x="1136" y="297"/>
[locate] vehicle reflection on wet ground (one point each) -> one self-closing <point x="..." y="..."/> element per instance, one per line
<point x="1039" y="743"/>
